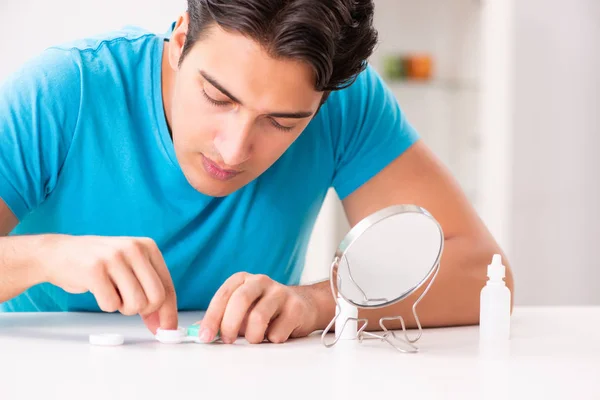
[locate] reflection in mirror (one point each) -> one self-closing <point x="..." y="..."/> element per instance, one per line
<point x="385" y="258"/>
<point x="389" y="258"/>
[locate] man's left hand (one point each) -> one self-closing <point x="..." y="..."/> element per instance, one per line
<point x="259" y="308"/>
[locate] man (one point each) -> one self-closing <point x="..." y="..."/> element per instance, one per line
<point x="148" y="174"/>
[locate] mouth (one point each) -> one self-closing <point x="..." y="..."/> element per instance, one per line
<point x="217" y="172"/>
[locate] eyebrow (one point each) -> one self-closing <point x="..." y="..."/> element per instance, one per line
<point x="291" y="115"/>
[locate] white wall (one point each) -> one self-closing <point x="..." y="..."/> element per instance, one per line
<point x="29" y="26"/>
<point x="445" y="111"/>
<point x="496" y="122"/>
<point x="556" y="180"/>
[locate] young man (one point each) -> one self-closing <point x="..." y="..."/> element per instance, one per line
<point x="148" y="174"/>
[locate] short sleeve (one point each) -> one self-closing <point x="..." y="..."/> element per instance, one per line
<point x="39" y="108"/>
<point x="369" y="131"/>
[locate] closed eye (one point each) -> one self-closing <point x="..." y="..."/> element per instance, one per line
<point x="213" y="101"/>
<point x="218" y="103"/>
<point x="281" y="127"/>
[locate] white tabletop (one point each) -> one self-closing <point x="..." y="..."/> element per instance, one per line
<point x="553" y="353"/>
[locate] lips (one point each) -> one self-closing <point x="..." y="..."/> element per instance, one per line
<point x="217" y="172"/>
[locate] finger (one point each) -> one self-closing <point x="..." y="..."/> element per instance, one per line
<point x="167" y="311"/>
<point x="261" y="315"/>
<point x="245" y="321"/>
<point x="240" y="302"/>
<point x="147" y="275"/>
<point x="152" y="321"/>
<point x="132" y="294"/>
<point x="281" y="328"/>
<point x="103" y="289"/>
<point x="292" y="321"/>
<point x="211" y="323"/>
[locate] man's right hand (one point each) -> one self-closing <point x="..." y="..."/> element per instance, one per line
<point x="125" y="274"/>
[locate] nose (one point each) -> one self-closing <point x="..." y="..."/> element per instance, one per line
<point x="234" y="143"/>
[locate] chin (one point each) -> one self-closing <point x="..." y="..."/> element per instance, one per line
<point x="217" y="190"/>
<point x="214" y="189"/>
<point x="211" y="187"/>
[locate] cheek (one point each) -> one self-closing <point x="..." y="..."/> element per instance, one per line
<point x="269" y="147"/>
<point x="193" y="122"/>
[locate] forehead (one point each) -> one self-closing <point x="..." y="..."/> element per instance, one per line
<point x="249" y="72"/>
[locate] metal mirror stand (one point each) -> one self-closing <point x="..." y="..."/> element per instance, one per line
<point x="387" y="335"/>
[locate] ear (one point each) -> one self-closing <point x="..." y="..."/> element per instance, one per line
<point x="178" y="40"/>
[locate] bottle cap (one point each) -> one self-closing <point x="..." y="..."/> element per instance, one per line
<point x="496" y="271"/>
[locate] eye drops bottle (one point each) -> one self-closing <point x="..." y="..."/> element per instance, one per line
<point x="495" y="300"/>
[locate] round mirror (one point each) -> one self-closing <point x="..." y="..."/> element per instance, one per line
<point x="387" y="256"/>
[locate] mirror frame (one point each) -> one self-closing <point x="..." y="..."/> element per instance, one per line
<point x="360" y="228"/>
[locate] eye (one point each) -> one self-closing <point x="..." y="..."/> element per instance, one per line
<point x="281" y="127"/>
<point x="213" y="101"/>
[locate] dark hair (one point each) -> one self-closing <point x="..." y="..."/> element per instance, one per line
<point x="335" y="37"/>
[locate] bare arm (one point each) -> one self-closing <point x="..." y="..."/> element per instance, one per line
<point x="123" y="273"/>
<point x="258" y="307"/>
<point x="417" y="177"/>
<point x="18" y="270"/>
<point x="7" y="219"/>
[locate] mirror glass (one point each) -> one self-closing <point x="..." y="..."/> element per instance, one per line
<point x="387" y="256"/>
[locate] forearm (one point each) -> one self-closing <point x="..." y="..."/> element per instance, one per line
<point x="20" y="266"/>
<point x="452" y="300"/>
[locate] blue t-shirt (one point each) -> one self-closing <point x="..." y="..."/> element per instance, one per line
<point x="85" y="150"/>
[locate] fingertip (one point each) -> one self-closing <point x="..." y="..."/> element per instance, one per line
<point x="168" y="318"/>
<point x="205" y="335"/>
<point x="170" y="323"/>
<point x="152" y="322"/>
<point x="208" y="331"/>
<point x="198" y="324"/>
<point x="207" y="321"/>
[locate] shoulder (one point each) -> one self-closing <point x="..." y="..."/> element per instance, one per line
<point x="367" y="130"/>
<point x="366" y="107"/>
<point x="367" y="86"/>
<point x="367" y="100"/>
<point x="63" y="65"/>
<point x="128" y="36"/>
<point x="103" y="54"/>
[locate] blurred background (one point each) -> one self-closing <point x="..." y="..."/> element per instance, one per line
<point x="506" y="92"/>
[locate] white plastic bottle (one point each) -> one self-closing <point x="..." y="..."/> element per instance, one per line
<point x="495" y="298"/>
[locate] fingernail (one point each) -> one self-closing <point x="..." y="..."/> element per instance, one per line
<point x="204" y="335"/>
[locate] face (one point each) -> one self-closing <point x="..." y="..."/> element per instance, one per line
<point x="233" y="109"/>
